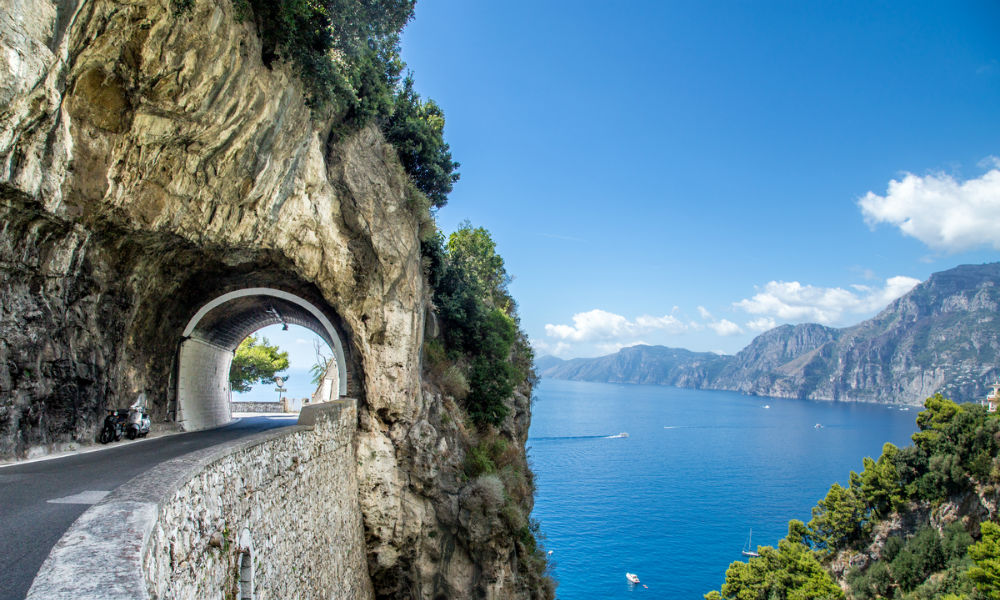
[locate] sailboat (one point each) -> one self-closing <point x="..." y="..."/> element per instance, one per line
<point x="748" y="548"/>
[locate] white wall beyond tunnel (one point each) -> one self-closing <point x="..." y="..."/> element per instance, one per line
<point x="211" y="337"/>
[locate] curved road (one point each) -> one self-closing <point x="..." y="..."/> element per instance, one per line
<point x="40" y="500"/>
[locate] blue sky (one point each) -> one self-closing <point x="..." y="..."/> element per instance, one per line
<point x="690" y="173"/>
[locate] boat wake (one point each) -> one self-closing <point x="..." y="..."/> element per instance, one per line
<point x="623" y="434"/>
<point x="573" y="437"/>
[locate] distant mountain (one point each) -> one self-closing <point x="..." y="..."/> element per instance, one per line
<point x="638" y="364"/>
<point x="943" y="336"/>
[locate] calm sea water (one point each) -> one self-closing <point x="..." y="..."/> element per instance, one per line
<point x="675" y="500"/>
<point x="298" y="385"/>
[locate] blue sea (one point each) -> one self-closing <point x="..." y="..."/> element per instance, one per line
<point x="675" y="501"/>
<point x="298" y="384"/>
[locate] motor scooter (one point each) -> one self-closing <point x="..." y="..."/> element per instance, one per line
<point x="113" y="426"/>
<point x="138" y="422"/>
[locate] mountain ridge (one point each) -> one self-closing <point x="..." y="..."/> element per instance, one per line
<point x="941" y="336"/>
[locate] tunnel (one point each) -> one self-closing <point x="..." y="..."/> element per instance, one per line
<point x="210" y="339"/>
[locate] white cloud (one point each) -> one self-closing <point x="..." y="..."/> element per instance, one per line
<point x="762" y="324"/>
<point x="939" y="211"/>
<point x="602" y="326"/>
<point x="725" y="327"/>
<point x="542" y="347"/>
<point x="792" y="301"/>
<point x="704" y="312"/>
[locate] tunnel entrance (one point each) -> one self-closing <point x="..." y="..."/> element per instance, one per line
<point x="212" y="335"/>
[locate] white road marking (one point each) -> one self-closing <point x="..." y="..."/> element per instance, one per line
<point x="87" y="497"/>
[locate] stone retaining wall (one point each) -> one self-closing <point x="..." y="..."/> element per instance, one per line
<point x="278" y="511"/>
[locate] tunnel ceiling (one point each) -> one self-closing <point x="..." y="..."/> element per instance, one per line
<point x="227" y="324"/>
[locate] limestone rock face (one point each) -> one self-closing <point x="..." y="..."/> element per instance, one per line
<point x="149" y="162"/>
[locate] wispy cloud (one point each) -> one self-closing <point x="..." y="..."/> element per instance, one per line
<point x="793" y="301"/>
<point x="940" y="211"/>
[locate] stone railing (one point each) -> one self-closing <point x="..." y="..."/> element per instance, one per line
<point x="275" y="515"/>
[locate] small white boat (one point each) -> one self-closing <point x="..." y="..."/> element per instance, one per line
<point x="748" y="547"/>
<point x="818" y="426"/>
<point x="632" y="577"/>
<point x="767" y="406"/>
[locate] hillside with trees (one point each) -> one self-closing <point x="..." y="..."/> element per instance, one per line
<point x="918" y="523"/>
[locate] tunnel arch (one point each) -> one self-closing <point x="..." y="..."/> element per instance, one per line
<point x="212" y="334"/>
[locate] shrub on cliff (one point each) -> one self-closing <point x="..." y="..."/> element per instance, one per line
<point x="416" y="129"/>
<point x="346" y="53"/>
<point x="478" y="320"/>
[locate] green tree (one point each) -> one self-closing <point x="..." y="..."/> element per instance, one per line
<point x="838" y="519"/>
<point x="478" y="319"/>
<point x="472" y="251"/>
<point x="938" y="413"/>
<point x="985" y="573"/>
<point x="879" y="482"/>
<point x="255" y="361"/>
<point x="789" y="572"/>
<point x="318" y="369"/>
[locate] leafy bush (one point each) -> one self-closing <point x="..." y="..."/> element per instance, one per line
<point x="921" y="556"/>
<point x="416" y="129"/>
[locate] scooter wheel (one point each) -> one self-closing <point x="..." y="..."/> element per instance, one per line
<point x="131" y="434"/>
<point x="105" y="436"/>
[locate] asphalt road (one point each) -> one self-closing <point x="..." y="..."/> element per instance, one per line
<point x="31" y="523"/>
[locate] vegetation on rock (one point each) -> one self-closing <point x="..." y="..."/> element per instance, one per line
<point x="255" y="361"/>
<point x="482" y="361"/>
<point x="346" y="53"/>
<point x="953" y="461"/>
<point x="480" y="332"/>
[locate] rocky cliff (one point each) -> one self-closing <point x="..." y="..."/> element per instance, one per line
<point x="942" y="336"/>
<point x="149" y="162"/>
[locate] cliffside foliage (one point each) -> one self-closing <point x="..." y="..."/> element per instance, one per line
<point x="481" y="340"/>
<point x="483" y="361"/>
<point x="953" y="457"/>
<point x="346" y="53"/>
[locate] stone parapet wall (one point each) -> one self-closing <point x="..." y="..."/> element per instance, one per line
<point x="280" y="509"/>
<point x="256" y="407"/>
